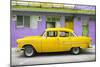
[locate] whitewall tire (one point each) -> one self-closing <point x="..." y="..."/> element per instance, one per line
<point x="75" y="50"/>
<point x="29" y="51"/>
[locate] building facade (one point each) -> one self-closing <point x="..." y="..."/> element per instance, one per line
<point x="33" y="21"/>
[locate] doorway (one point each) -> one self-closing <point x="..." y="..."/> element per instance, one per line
<point x="69" y="22"/>
<point x="85" y="27"/>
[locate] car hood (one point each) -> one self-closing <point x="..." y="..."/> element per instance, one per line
<point x="28" y="38"/>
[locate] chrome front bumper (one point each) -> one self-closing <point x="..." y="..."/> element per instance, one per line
<point x="19" y="50"/>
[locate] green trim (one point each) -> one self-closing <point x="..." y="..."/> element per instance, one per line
<point x="62" y="10"/>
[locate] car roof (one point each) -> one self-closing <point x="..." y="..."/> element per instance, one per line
<point x="59" y="29"/>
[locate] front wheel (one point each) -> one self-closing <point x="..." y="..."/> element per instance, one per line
<point x="75" y="50"/>
<point x="29" y="51"/>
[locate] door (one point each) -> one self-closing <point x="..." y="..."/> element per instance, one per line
<point x="69" y="22"/>
<point x="50" y="42"/>
<point x="66" y="39"/>
<point x="85" y="29"/>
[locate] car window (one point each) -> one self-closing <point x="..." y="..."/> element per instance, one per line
<point x="51" y="33"/>
<point x="65" y="34"/>
<point x="71" y="34"/>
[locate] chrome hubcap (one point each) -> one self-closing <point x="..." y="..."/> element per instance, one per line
<point x="29" y="51"/>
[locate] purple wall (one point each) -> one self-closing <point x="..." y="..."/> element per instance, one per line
<point x="21" y="32"/>
<point x="77" y="26"/>
<point x="92" y="31"/>
<point x="62" y="21"/>
<point x="91" y="28"/>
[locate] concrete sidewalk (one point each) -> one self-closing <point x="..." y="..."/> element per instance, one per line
<point x="86" y="55"/>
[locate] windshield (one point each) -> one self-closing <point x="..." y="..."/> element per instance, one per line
<point x="43" y="34"/>
<point x="74" y="34"/>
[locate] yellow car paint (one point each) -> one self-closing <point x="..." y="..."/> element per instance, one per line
<point x="54" y="44"/>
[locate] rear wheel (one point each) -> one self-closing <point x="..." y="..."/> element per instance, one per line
<point x="29" y="51"/>
<point x="75" y="50"/>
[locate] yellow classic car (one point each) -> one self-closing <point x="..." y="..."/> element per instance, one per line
<point x="53" y="40"/>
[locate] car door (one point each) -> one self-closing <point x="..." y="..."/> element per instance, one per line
<point x="50" y="42"/>
<point x="65" y="39"/>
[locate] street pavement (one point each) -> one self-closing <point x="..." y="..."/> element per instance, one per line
<point x="48" y="58"/>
